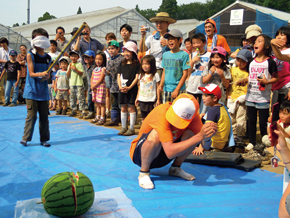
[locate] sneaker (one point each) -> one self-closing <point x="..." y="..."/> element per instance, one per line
<point x="123" y="130"/>
<point x="72" y="114"/>
<point x="1" y="102"/>
<point x="249" y="147"/>
<point x="129" y="132"/>
<point x="259" y="147"/>
<point x="95" y="120"/>
<point x="12" y="105"/>
<point x="59" y="111"/>
<point x="24" y="143"/>
<point x="45" y="144"/>
<point x="81" y="116"/>
<point x="89" y="116"/>
<point x="5" y="105"/>
<point x="112" y="123"/>
<point x="63" y="112"/>
<point x="254" y="155"/>
<point x="100" y="122"/>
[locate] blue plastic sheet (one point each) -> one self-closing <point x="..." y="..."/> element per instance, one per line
<point x="103" y="156"/>
<point x="107" y="204"/>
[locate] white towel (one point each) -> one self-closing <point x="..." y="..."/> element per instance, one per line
<point x="233" y="105"/>
<point x="41" y="42"/>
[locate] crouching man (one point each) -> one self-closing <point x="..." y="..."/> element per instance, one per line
<point x="170" y="132"/>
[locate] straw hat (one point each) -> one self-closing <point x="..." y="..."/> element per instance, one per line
<point x="162" y="16"/>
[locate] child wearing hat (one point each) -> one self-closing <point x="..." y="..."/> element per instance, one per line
<point x="218" y="114"/>
<point x="175" y="65"/>
<point x="62" y="87"/>
<point x="74" y="73"/>
<point x="89" y="66"/>
<point x="13" y="70"/>
<point x="236" y="99"/>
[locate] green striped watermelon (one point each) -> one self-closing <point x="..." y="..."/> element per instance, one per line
<point x="67" y="194"/>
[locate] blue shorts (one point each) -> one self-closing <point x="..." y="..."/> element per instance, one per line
<point x="160" y="161"/>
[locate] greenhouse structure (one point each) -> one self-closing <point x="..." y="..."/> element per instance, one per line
<point x="15" y="39"/>
<point x="101" y="22"/>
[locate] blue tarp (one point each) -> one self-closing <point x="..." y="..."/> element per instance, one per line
<point x="103" y="156"/>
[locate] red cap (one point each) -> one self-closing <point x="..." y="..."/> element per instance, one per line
<point x="212" y="89"/>
<point x="212" y="22"/>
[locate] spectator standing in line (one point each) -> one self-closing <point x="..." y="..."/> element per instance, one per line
<point x="60" y="39"/>
<point x="21" y="58"/>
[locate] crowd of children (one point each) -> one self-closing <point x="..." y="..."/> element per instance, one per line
<point x="115" y="82"/>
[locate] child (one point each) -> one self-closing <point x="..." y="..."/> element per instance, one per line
<point x="175" y="65"/>
<point x="13" y="70"/>
<point x="52" y="87"/>
<point x="149" y="81"/>
<point x="125" y="31"/>
<point x="197" y="64"/>
<point x="217" y="71"/>
<point x="98" y="87"/>
<point x="262" y="73"/>
<point x="113" y="65"/>
<point x="36" y="88"/>
<point x="89" y="66"/>
<point x="128" y="73"/>
<point x="62" y="87"/>
<point x="74" y="73"/>
<point x="284" y="122"/>
<point x="282" y="59"/>
<point x="188" y="46"/>
<point x="218" y="114"/>
<point x="53" y="52"/>
<point x="109" y="37"/>
<point x="236" y="99"/>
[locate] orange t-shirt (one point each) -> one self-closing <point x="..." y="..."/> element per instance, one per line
<point x="166" y="132"/>
<point x="221" y="41"/>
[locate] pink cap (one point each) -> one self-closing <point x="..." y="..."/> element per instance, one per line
<point x="131" y="46"/>
<point x="219" y="50"/>
<point x="212" y="89"/>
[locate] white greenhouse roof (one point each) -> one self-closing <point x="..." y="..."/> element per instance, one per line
<point x="69" y="22"/>
<point x="185" y="26"/>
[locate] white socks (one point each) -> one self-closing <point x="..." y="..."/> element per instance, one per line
<point x="132" y="120"/>
<point x="124" y="118"/>
<point x="145" y="181"/>
<point x="178" y="172"/>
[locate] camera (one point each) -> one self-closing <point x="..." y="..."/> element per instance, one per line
<point x="147" y="28"/>
<point x="83" y="33"/>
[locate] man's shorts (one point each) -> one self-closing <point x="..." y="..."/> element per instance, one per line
<point x="167" y="96"/>
<point x="160" y="161"/>
<point x="62" y="95"/>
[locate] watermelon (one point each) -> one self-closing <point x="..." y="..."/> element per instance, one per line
<point x="67" y="194"/>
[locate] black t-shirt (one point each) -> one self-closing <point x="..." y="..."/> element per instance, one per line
<point x="11" y="70"/>
<point x="128" y="73"/>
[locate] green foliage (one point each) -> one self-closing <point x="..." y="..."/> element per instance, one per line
<point x="169" y="6"/>
<point x="23" y="24"/>
<point x="79" y="11"/>
<point x="46" y="16"/>
<point x="15" y="25"/>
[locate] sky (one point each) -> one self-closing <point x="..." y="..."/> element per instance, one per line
<point x="16" y="12"/>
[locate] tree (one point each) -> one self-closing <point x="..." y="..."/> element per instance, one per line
<point x="79" y="11"/>
<point x="169" y="6"/>
<point x="15" y="25"/>
<point x="46" y="16"/>
<point x="23" y="24"/>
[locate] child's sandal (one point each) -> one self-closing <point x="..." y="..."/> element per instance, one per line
<point x="95" y="120"/>
<point x="100" y="122"/>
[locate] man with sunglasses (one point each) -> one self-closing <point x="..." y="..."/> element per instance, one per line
<point x="60" y="39"/>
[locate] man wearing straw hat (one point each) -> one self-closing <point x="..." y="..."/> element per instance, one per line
<point x="156" y="42"/>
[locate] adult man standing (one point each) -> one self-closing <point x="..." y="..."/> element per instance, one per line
<point x="156" y="42"/>
<point x="170" y="132"/>
<point x="212" y="38"/>
<point x="60" y="39"/>
<point x="87" y="43"/>
<point x="4" y="57"/>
